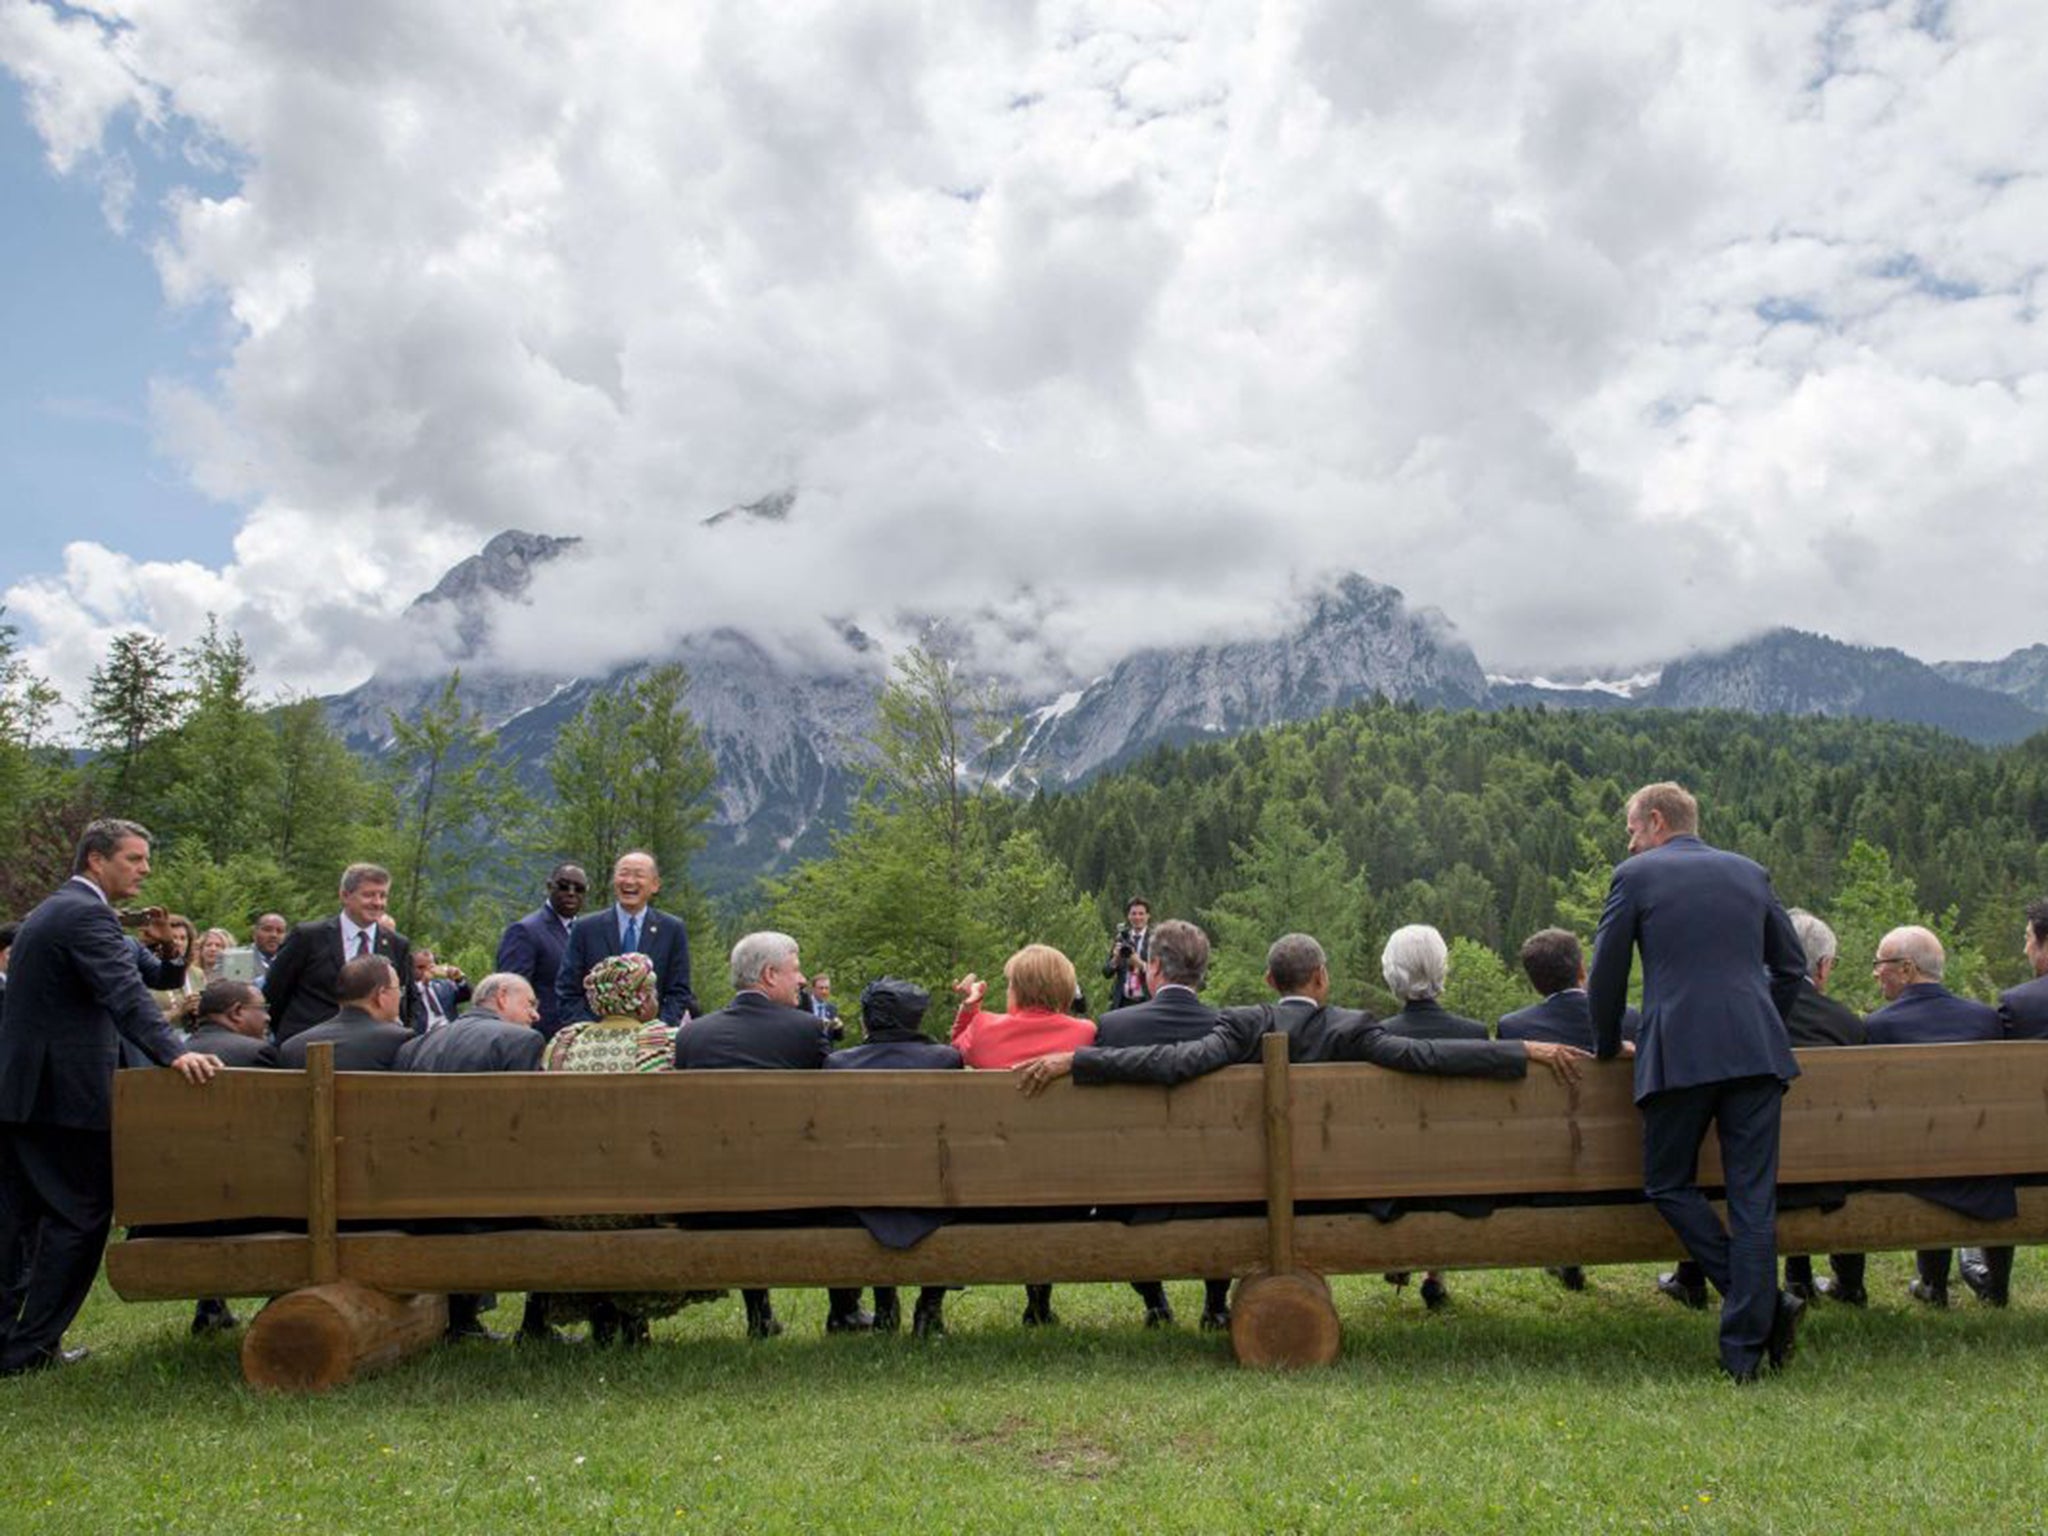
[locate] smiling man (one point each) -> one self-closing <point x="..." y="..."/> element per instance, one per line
<point x="534" y="945"/>
<point x="629" y="926"/>
<point x="302" y="979"/>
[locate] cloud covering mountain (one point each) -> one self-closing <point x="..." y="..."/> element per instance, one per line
<point x="1612" y="330"/>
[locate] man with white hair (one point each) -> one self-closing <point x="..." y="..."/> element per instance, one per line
<point x="1919" y="1010"/>
<point x="496" y="1033"/>
<point x="763" y="1030"/>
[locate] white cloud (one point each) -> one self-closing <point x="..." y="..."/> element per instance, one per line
<point x="1609" y="330"/>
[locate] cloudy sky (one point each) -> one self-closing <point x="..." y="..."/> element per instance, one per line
<point x="1609" y="329"/>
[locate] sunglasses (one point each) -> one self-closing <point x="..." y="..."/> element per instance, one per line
<point x="571" y="885"/>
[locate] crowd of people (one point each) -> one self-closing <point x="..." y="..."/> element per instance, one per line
<point x="1731" y="981"/>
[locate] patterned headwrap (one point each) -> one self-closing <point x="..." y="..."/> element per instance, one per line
<point x="620" y="986"/>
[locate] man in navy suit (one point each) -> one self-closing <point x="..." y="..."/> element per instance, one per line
<point x="73" y="996"/>
<point x="1556" y="968"/>
<point x="1919" y="1010"/>
<point x="1721" y="969"/>
<point x="2024" y="1008"/>
<point x="438" y="989"/>
<point x="532" y="947"/>
<point x="300" y="983"/>
<point x="630" y="926"/>
<point x="1176" y="965"/>
<point x="762" y="1030"/>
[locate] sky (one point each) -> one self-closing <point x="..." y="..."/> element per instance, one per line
<point x="1612" y="331"/>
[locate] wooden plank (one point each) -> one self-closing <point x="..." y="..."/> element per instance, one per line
<point x="1279" y="1157"/>
<point x="322" y="1139"/>
<point x="232" y="1148"/>
<point x="659" y="1258"/>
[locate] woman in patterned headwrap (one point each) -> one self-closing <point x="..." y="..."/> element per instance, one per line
<point x="624" y="1037"/>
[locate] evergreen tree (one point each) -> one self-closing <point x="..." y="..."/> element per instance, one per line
<point x="224" y="759"/>
<point x="134" y="701"/>
<point x="1481" y="986"/>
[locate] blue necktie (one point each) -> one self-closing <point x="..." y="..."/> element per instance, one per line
<point x="632" y="941"/>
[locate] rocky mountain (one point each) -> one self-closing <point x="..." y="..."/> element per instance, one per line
<point x="2023" y="675"/>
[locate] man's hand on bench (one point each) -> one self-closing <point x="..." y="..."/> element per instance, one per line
<point x="1039" y="1075"/>
<point x="1563" y="1060"/>
<point x="196" y="1066"/>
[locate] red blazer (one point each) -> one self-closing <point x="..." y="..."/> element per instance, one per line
<point x="993" y="1040"/>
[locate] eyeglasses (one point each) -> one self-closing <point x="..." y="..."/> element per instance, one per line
<point x="571" y="885"/>
<point x="1884" y="960"/>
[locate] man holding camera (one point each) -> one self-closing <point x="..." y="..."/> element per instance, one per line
<point x="1126" y="963"/>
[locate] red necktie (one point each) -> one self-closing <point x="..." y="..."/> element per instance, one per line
<point x="362" y="942"/>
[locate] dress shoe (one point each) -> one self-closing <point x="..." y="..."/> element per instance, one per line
<point x="1159" y="1317"/>
<point x="1435" y="1294"/>
<point x="47" y="1360"/>
<point x="888" y="1315"/>
<point x="1977" y="1276"/>
<point x="1693" y="1297"/>
<point x="1785" y="1323"/>
<point x="1930" y="1294"/>
<point x="472" y="1332"/>
<point x="1570" y="1276"/>
<point x="1834" y="1290"/>
<point x="1038" y="1312"/>
<point x="928" y="1320"/>
<point x="1803" y="1289"/>
<point x="1396" y="1278"/>
<point x="212" y="1316"/>
<point x="761" y="1320"/>
<point x="856" y="1321"/>
<point x="1215" y="1319"/>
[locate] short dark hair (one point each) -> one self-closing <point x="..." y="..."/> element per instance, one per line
<point x="1293" y="959"/>
<point x="1138" y="901"/>
<point x="220" y="997"/>
<point x="7" y="933"/>
<point x="363" y="978"/>
<point x="1181" y="951"/>
<point x="102" y="837"/>
<point x="2037" y="919"/>
<point x="1552" y="959"/>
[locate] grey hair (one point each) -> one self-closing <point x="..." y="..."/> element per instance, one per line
<point x="1815" y="937"/>
<point x="1292" y="960"/>
<point x="102" y="837"/>
<point x="752" y="956"/>
<point x="1920" y="946"/>
<point x="1415" y="962"/>
<point x="489" y="989"/>
<point x="363" y="874"/>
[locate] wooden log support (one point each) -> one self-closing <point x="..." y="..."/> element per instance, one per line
<point x="1282" y="1316"/>
<point x="329" y="1335"/>
<point x="322" y="1165"/>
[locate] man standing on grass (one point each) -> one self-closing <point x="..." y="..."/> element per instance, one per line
<point x="1721" y="970"/>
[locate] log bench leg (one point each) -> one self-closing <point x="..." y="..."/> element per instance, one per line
<point x="1284" y="1320"/>
<point x="329" y="1335"/>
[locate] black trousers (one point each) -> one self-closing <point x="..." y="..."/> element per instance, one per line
<point x="56" y="1206"/>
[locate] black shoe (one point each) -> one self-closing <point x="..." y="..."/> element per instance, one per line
<point x="212" y="1316"/>
<point x="1785" y="1323"/>
<point x="1801" y="1288"/>
<point x="889" y="1319"/>
<point x="1215" y="1319"/>
<point x="634" y="1332"/>
<point x="1159" y="1317"/>
<point x="1435" y="1294"/>
<point x="1928" y="1294"/>
<point x="1570" y="1276"/>
<point x="1038" y="1312"/>
<point x="1834" y="1290"/>
<point x="1693" y="1297"/>
<point x="472" y="1332"/>
<point x="855" y="1321"/>
<point x="1396" y="1278"/>
<point x="928" y="1322"/>
<point x="761" y="1320"/>
<point x="47" y="1360"/>
<point x="1977" y="1276"/>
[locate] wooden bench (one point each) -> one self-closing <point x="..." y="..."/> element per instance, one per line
<point x="336" y="1153"/>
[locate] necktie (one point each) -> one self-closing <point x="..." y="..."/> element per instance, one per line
<point x="632" y="943"/>
<point x="362" y="942"/>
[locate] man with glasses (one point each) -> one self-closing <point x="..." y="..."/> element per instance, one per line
<point x="1919" y="1010"/>
<point x="533" y="946"/>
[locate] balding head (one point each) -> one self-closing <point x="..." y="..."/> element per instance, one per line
<point x="1906" y="956"/>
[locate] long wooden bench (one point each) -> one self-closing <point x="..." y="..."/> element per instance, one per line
<point x="350" y="1158"/>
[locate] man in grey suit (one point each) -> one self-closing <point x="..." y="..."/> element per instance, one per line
<point x="73" y="995"/>
<point x="1721" y="969"/>
<point x="365" y="1034"/>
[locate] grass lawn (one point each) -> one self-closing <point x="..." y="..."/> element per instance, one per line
<point x="1519" y="1408"/>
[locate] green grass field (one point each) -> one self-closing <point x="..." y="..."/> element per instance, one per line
<point x="1520" y="1407"/>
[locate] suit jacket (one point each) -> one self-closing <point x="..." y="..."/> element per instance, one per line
<point x="1141" y="951"/>
<point x="1817" y="1019"/>
<point x="596" y="937"/>
<point x="233" y="1049"/>
<point x="476" y="1042"/>
<point x="73" y="995"/>
<point x="1927" y="1013"/>
<point x="1172" y="1013"/>
<point x="2024" y="1009"/>
<point x="1563" y="1018"/>
<point x="754" y="1032"/>
<point x="1721" y="967"/>
<point x="894" y="1051"/>
<point x="1424" y="1018"/>
<point x="533" y="947"/>
<point x="1314" y="1033"/>
<point x="300" y="984"/>
<point x="448" y="994"/>
<point x="361" y="1043"/>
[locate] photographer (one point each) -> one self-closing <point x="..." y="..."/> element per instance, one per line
<point x="1126" y="963"/>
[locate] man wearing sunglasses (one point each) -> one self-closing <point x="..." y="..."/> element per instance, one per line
<point x="533" y="946"/>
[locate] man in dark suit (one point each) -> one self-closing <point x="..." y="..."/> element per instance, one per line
<point x="73" y="995"/>
<point x="1919" y="1010"/>
<point x="629" y="926"/>
<point x="892" y="1018"/>
<point x="2024" y="1008"/>
<point x="762" y="1030"/>
<point x="301" y="983"/>
<point x="1176" y="966"/>
<point x="265" y="940"/>
<point x="365" y="1033"/>
<point x="1818" y="1021"/>
<point x="438" y="990"/>
<point x="1125" y="966"/>
<point x="1721" y="968"/>
<point x="1556" y="968"/>
<point x="533" y="946"/>
<point x="7" y="933"/>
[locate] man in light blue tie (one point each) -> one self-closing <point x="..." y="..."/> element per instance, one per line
<point x="630" y="926"/>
